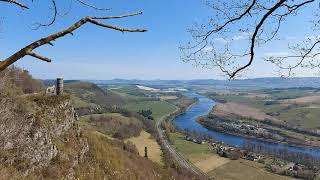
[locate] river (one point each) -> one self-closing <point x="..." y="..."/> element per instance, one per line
<point x="205" y="105"/>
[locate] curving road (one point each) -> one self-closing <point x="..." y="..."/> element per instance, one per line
<point x="175" y="154"/>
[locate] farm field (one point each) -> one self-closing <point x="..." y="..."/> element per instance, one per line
<point x="189" y="149"/>
<point x="220" y="167"/>
<point x="298" y="107"/>
<point x="241" y="110"/>
<point x="242" y="169"/>
<point x="210" y="162"/>
<point x="145" y="140"/>
<point x="158" y="108"/>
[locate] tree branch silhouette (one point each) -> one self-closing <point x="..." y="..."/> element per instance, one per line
<point x="28" y="50"/>
<point x="258" y="22"/>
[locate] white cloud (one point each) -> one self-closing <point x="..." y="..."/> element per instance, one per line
<point x="221" y="40"/>
<point x="280" y="53"/>
<point x="208" y="48"/>
<point x="239" y="37"/>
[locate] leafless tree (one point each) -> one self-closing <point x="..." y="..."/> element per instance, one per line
<point x="253" y="22"/>
<point x="94" y="20"/>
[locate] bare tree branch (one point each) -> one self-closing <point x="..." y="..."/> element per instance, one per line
<point x="246" y="12"/>
<point x="92" y="6"/>
<point x="47" y="40"/>
<point x="16" y="3"/>
<point x="55" y="12"/>
<point x="253" y="39"/>
<point x="117" y="17"/>
<point x="38" y="56"/>
<point x="255" y="22"/>
<point x="302" y="54"/>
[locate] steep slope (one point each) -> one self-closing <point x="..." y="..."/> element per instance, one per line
<point x="33" y="130"/>
<point x="40" y="139"/>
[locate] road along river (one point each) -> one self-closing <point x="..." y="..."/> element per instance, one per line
<point x="205" y="105"/>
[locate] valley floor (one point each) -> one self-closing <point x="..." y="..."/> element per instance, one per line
<point x="219" y="167"/>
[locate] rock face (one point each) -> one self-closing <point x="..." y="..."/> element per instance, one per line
<point x="36" y="133"/>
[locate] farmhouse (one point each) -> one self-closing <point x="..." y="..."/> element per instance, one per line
<point x="195" y="140"/>
<point x="253" y="156"/>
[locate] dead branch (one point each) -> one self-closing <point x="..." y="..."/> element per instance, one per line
<point x="253" y="39"/>
<point x="55" y="13"/>
<point x="92" y="6"/>
<point x="28" y="50"/>
<point x="250" y="19"/>
<point x="16" y="3"/>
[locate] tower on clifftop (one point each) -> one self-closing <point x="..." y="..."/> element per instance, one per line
<point x="59" y="86"/>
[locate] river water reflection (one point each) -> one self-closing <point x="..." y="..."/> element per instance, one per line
<point x="204" y="106"/>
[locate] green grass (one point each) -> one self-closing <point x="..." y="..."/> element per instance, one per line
<point x="88" y="94"/>
<point x="131" y="90"/>
<point x="79" y="103"/>
<point x="286" y="93"/>
<point x="186" y="147"/>
<point x="295" y="114"/>
<point x="129" y="98"/>
<point x="158" y="108"/>
<point x="303" y="117"/>
<point x="182" y="102"/>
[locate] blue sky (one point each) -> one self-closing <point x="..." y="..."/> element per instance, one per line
<point x="98" y="53"/>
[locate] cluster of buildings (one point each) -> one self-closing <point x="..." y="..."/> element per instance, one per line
<point x="194" y="139"/>
<point x="284" y="168"/>
<point x="295" y="170"/>
<point x="234" y="153"/>
<point x="251" y="130"/>
<point x="289" y="169"/>
<point x="226" y="151"/>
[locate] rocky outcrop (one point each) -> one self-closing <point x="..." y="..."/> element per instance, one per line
<point x="38" y="131"/>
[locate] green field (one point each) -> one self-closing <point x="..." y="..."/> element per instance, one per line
<point x="79" y="103"/>
<point x="88" y="94"/>
<point x="242" y="169"/>
<point x="304" y="117"/>
<point x="189" y="149"/>
<point x="131" y="90"/>
<point x="276" y="102"/>
<point x="158" y="108"/>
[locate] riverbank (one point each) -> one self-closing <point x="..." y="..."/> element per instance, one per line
<point x="240" y="119"/>
<point x="253" y="131"/>
<point x="171" y="156"/>
<point x="205" y="157"/>
<point x="189" y="121"/>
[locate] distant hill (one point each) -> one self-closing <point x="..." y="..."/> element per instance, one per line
<point x="90" y="93"/>
<point x="275" y="82"/>
<point x="51" y="82"/>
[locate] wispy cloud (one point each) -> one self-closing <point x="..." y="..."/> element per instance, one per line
<point x="237" y="37"/>
<point x="276" y="54"/>
<point x="208" y="48"/>
<point x="221" y="40"/>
